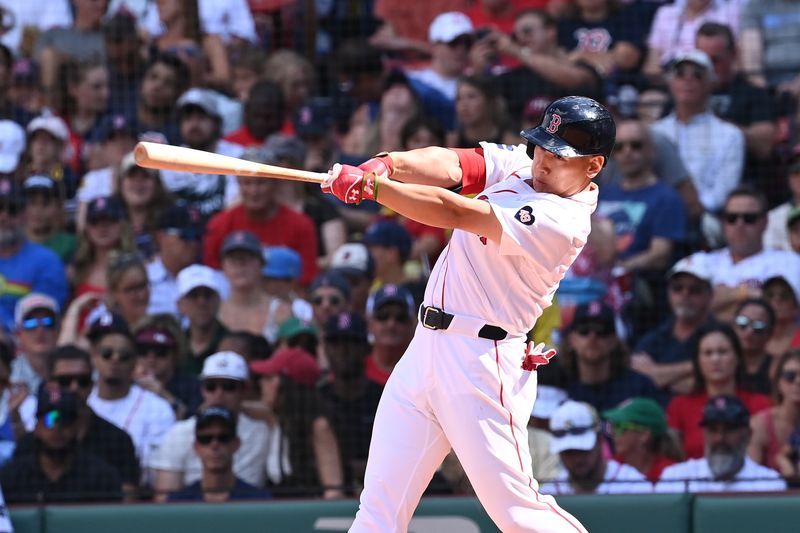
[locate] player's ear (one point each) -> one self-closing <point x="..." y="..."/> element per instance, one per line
<point x="595" y="165"/>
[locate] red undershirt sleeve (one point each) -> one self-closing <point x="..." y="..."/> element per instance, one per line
<point x="473" y="169"/>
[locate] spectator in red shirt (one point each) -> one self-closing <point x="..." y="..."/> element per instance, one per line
<point x="264" y="114"/>
<point x="718" y="369"/>
<point x="274" y="224"/>
<point x="500" y="14"/>
<point x="391" y="321"/>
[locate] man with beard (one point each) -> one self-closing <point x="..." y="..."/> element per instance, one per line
<point x="58" y="471"/>
<point x="200" y="125"/>
<point x="725" y="466"/>
<point x="164" y="80"/>
<point x="25" y="266"/>
<point x="665" y="353"/>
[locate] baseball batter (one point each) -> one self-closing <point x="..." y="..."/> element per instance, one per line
<point x="468" y="380"/>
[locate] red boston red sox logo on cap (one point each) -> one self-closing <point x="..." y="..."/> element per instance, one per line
<point x="555" y="122"/>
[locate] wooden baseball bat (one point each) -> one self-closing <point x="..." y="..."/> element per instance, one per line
<point x="168" y="157"/>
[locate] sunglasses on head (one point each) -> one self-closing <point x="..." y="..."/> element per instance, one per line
<point x="226" y="386"/>
<point x="65" y="381"/>
<point x="790" y="375"/>
<point x="383" y="316"/>
<point x="332" y="299"/>
<point x="758" y="326"/>
<point x="747" y="218"/>
<point x="600" y="330"/>
<point x="122" y="355"/>
<point x="161" y="352"/>
<point x="47" y="322"/>
<point x="207" y="438"/>
<point x="578" y="430"/>
<point x="633" y="145"/>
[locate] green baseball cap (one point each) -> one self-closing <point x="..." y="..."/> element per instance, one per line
<point x="640" y="411"/>
<point x="294" y="326"/>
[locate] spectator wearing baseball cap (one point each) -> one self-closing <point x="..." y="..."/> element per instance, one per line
<point x="329" y="294"/>
<point x="295" y="332"/>
<point x="249" y="308"/>
<point x="199" y="292"/>
<point x="178" y="237"/>
<point x="389" y="244"/>
<point x="281" y="272"/>
<point x="176" y="464"/>
<point x="27" y="266"/>
<point x="353" y="261"/>
<point x="44" y="215"/>
<point x="125" y="62"/>
<point x="641" y="437"/>
<point x="391" y="321"/>
<point x="577" y="440"/>
<point x="46" y="137"/>
<point x="12" y="145"/>
<point x="725" y="465"/>
<point x="36" y="317"/>
<point x="777" y="236"/>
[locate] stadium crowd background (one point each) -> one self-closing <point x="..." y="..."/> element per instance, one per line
<point x="172" y="336"/>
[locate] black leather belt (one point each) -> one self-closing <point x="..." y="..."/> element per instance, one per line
<point x="434" y="318"/>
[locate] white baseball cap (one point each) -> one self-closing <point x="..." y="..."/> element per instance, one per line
<point x="33" y="301"/>
<point x="697" y="57"/>
<point x="548" y="398"/>
<point x="447" y="27"/>
<point x="353" y="258"/>
<point x="695" y="265"/>
<point x="574" y="426"/>
<point x="12" y="144"/>
<point x="201" y="98"/>
<point x="52" y="124"/>
<point x="225" y="365"/>
<point x="195" y="276"/>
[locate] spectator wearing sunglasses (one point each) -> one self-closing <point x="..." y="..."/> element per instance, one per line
<point x="391" y="322"/>
<point x="595" y="361"/>
<point x="178" y="464"/>
<point x="69" y="368"/>
<point x="786" y="332"/>
<point x="717" y="369"/>
<point x="215" y="443"/>
<point x="329" y="295"/>
<point x="59" y="470"/>
<point x="389" y="244"/>
<point x="664" y="354"/>
<point x="577" y="440"/>
<point x="145" y="416"/>
<point x="37" y="322"/>
<point x="754" y="322"/>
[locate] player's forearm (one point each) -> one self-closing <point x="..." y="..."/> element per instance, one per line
<point x="427" y="166"/>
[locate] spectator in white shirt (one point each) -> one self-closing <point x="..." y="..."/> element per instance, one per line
<point x="776" y="236"/>
<point x="575" y="427"/>
<point x="230" y="19"/>
<point x="725" y="466"/>
<point x="145" y="416"/>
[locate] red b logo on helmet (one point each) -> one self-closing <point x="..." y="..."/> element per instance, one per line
<point x="555" y="122"/>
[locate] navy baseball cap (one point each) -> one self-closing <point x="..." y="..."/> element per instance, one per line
<point x="181" y="219"/>
<point x="215" y="413"/>
<point x="40" y="184"/>
<point x="597" y="312"/>
<point x="390" y="293"/>
<point x="10" y="193"/>
<point x="725" y="409"/>
<point x="242" y="240"/>
<point x="107" y="323"/>
<point x="346" y="325"/>
<point x="52" y="398"/>
<point x="113" y="125"/>
<point x="104" y="208"/>
<point x="331" y="279"/>
<point x="390" y="234"/>
<point x="313" y="119"/>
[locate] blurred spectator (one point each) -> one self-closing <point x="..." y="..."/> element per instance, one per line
<point x="711" y="149"/>
<point x="313" y="124"/>
<point x="724" y="466"/>
<point x="264" y="114"/>
<point x="782" y="299"/>
<point x="754" y="322"/>
<point x="595" y="361"/>
<point x="297" y="333"/>
<point x="25" y="89"/>
<point x="44" y="216"/>
<point x="13" y="146"/>
<point x="8" y="109"/>
<point x="23" y="20"/>
<point x="641" y="437"/>
<point x="544" y="463"/>
<point x="421" y="131"/>
<point x="773" y="427"/>
<point x="177" y="464"/>
<point x="402" y="30"/>
<point x="70" y="368"/>
<point x="78" y="40"/>
<point x="24" y="265"/>
<point x="739" y="269"/>
<point x="353" y="261"/>
<point x="260" y="213"/>
<point x="451" y="37"/>
<point x="776" y="235"/>
<point x="249" y="307"/>
<point x="231" y="20"/>
<point x="106" y="231"/>
<point x="165" y="79"/>
<point x="349" y="399"/>
<point x="198" y="298"/>
<point x="391" y="319"/>
<point x="17" y="407"/>
<point x="500" y="14"/>
<point x="794" y="229"/>
<point x="575" y="427"/>
<point x="216" y="450"/>
<point x="37" y="323"/>
<point x="59" y="470"/>
<point x="287" y="380"/>
<point x="144" y="198"/>
<point x="126" y="62"/>
<point x="329" y="295"/>
<point x="199" y="122"/>
<point x="665" y="353"/>
<point x="676" y="25"/>
<point x="47" y="137"/>
<point x="296" y="77"/>
<point x="480" y="115"/>
<point x="359" y="76"/>
<point x="178" y="239"/>
<point x="389" y="245"/>
<point x="116" y="397"/>
<point x="161" y="349"/>
<point x="247" y="66"/>
<point x="768" y="58"/>
<point x="717" y="366"/>
<point x="279" y="277"/>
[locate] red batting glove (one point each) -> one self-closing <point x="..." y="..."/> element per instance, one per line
<point x="535" y="356"/>
<point x="381" y="165"/>
<point x="350" y="184"/>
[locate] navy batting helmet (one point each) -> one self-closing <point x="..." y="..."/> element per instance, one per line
<point x="574" y="126"/>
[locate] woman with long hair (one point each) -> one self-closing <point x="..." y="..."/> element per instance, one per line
<point x="480" y="115"/>
<point x="717" y="367"/>
<point x="786" y="333"/>
<point x="294" y="74"/>
<point x="754" y="322"/>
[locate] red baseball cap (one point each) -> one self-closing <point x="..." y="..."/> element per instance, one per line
<point x="294" y="363"/>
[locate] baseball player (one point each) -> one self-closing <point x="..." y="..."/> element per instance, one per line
<point x="467" y="380"/>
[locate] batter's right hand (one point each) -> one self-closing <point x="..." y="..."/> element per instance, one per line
<point x="350" y="184"/>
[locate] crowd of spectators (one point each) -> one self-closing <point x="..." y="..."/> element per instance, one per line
<point x="176" y="336"/>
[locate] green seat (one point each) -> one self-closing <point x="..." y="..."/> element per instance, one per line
<point x="27" y="520"/>
<point x="762" y="513"/>
<point x="631" y="513"/>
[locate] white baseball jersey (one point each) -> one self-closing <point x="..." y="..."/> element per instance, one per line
<point x="695" y="476"/>
<point x="755" y="269"/>
<point x="619" y="478"/>
<point x="510" y="283"/>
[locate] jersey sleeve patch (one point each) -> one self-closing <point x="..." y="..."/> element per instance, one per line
<point x="525" y="215"/>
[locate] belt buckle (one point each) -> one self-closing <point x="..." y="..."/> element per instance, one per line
<point x="429" y="309"/>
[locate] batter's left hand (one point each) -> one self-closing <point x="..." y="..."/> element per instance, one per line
<point x="350" y="184"/>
